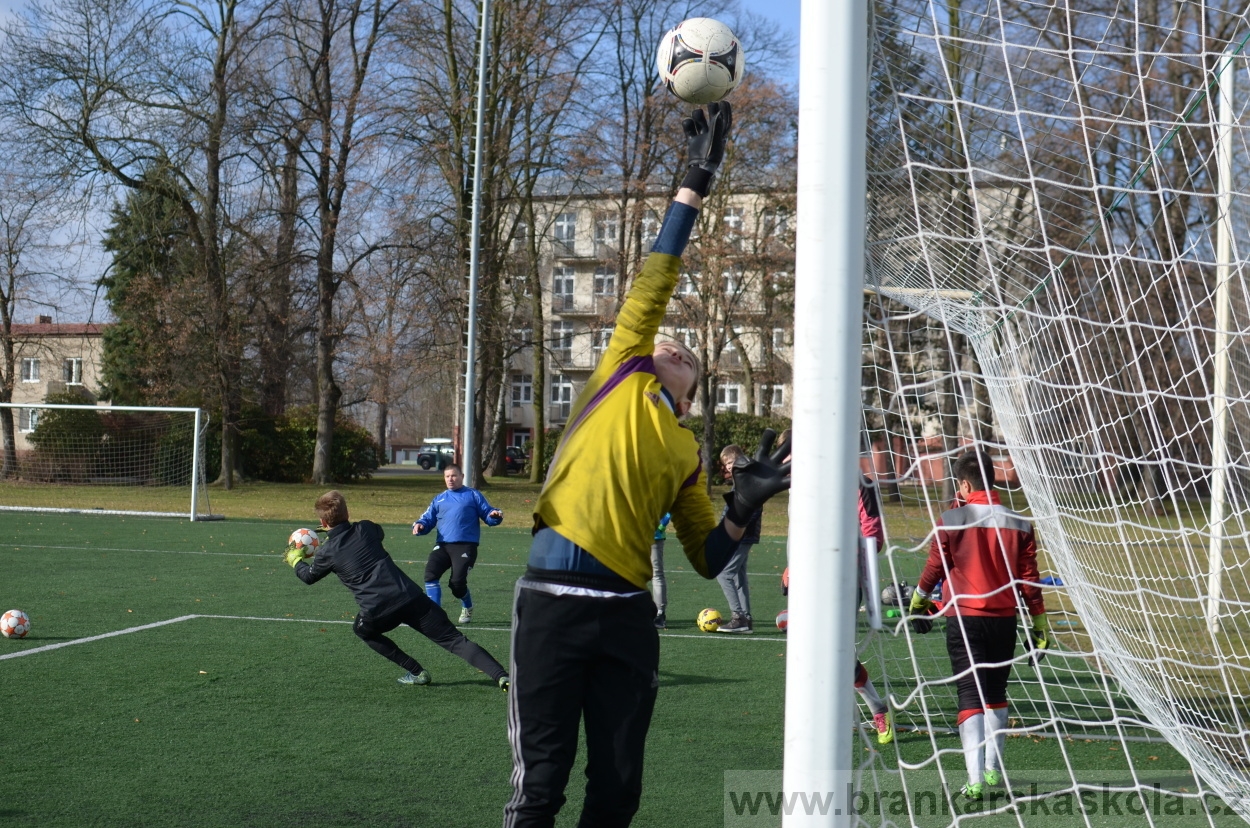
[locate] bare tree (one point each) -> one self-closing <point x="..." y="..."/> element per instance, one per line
<point x="535" y="66"/>
<point x="332" y="49"/>
<point x="112" y="91"/>
<point x="27" y="213"/>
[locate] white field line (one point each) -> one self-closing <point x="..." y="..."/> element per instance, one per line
<point x="167" y="622"/>
<point x="276" y="556"/>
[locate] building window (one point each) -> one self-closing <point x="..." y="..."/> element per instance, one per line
<point x="565" y="233"/>
<point x="688" y="285"/>
<point x="650" y="229"/>
<point x="779" y="337"/>
<point x="732" y="220"/>
<point x="521" y="437"/>
<point x="599" y="340"/>
<point x="522" y="337"/>
<point x="562" y="285"/>
<point x="561" y="397"/>
<point x="27" y="419"/>
<point x="606" y="230"/>
<point x="729" y="281"/>
<point x="562" y="338"/>
<point x="521" y="237"/>
<point x="775" y="222"/>
<point x="605" y="281"/>
<point x="772" y="397"/>
<point x="30" y="370"/>
<point x="727" y="396"/>
<point x="685" y="336"/>
<point x="522" y="389"/>
<point x="71" y="371"/>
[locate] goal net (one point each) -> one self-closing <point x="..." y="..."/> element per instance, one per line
<point x="1057" y="206"/>
<point x="104" y="460"/>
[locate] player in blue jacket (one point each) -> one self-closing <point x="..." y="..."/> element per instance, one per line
<point x="456" y="512"/>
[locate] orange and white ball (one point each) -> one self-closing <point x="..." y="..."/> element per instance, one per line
<point x="306" y="540"/>
<point x="14" y="624"/>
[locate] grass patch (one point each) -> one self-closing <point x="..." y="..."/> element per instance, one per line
<point x="276" y="715"/>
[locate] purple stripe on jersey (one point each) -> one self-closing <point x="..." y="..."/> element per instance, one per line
<point x="630" y="366"/>
<point x="694" y="478"/>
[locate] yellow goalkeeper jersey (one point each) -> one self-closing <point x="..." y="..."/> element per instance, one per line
<point x="624" y="459"/>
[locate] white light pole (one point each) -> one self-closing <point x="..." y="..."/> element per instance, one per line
<point x="475" y="249"/>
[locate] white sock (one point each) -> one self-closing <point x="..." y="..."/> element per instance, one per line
<point x="972" y="737"/>
<point x="869" y="694"/>
<point x="996" y="725"/>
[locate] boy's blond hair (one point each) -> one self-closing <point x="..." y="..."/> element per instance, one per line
<point x="730" y="454"/>
<point x="331" y="507"/>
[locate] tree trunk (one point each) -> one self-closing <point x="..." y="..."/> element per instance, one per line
<point x="707" y="405"/>
<point x="276" y="357"/>
<point x="539" y="385"/>
<point x="328" y="391"/>
<point x="379" y="427"/>
<point x="8" y="467"/>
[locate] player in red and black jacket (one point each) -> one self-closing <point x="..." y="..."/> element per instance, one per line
<point x="987" y="556"/>
<point x="386" y="596"/>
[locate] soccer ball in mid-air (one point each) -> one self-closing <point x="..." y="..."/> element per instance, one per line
<point x="783" y="620"/>
<point x="305" y="539"/>
<point x="700" y="60"/>
<point x="709" y="620"/>
<point x="14" y="624"/>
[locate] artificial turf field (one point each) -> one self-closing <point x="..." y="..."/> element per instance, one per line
<point x="219" y="690"/>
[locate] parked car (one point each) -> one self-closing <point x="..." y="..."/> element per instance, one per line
<point x="515" y="459"/>
<point x="435" y="455"/>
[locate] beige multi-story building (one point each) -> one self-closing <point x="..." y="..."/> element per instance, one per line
<point x="53" y="358"/>
<point x="738" y="322"/>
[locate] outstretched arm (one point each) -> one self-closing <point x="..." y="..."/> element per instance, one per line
<point x="647" y="301"/>
<point x="487" y="512"/>
<point x="426" y="523"/>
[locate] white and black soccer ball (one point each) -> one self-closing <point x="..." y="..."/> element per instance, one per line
<point x="700" y="60"/>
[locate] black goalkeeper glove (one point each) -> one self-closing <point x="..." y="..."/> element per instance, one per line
<point x="705" y="144"/>
<point x="758" y="479"/>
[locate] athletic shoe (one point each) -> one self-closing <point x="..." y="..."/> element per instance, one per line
<point x="466" y="615"/>
<point x="993" y="778"/>
<point x="885" y="728"/>
<point x="661" y="623"/>
<point x="736" y="624"/>
<point x="422" y="677"/>
<point x="505" y="683"/>
<point x="974" y="791"/>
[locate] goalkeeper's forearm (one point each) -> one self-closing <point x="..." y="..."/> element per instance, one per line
<point x="720" y="545"/>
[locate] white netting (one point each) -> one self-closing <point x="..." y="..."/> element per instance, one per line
<point x="104" y="459"/>
<point x="1044" y="242"/>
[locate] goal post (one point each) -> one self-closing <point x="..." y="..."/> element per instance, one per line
<point x="106" y="459"/>
<point x="1056" y="272"/>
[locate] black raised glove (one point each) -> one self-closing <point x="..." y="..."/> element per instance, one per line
<point x="705" y="144"/>
<point x="758" y="479"/>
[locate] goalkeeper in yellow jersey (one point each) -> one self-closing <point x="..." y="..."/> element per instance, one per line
<point x="584" y="642"/>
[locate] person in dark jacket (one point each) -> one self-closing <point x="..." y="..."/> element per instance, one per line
<point x="386" y="596"/>
<point x="733" y="578"/>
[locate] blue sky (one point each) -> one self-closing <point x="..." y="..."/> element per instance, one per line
<point x="785" y="13"/>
